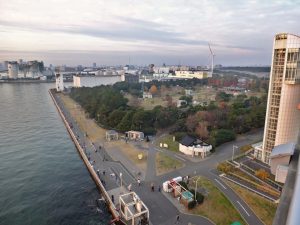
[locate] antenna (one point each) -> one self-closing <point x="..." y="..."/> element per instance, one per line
<point x="212" y="59"/>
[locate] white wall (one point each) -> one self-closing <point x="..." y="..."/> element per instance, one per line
<point x="92" y="81"/>
<point x="187" y="150"/>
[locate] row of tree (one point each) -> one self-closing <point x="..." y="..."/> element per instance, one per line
<point x="216" y="123"/>
<point x="109" y="107"/>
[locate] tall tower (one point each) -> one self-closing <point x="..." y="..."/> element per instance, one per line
<point x="282" y="117"/>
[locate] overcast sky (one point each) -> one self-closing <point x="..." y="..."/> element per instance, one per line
<point x="114" y="32"/>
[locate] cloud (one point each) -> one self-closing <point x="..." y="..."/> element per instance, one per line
<point x="130" y="29"/>
<point x="233" y="27"/>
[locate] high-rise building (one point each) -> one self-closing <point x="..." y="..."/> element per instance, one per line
<point x="282" y="117"/>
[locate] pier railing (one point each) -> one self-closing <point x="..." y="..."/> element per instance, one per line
<point x="93" y="173"/>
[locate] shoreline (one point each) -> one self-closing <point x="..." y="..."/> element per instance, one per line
<point x="26" y="81"/>
<point x="100" y="186"/>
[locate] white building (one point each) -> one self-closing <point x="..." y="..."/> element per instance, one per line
<point x="13" y="70"/>
<point x="188" y="74"/>
<point x="194" y="147"/>
<point x="92" y="81"/>
<point x="165" y="70"/>
<point x="59" y="82"/>
<point x="282" y="117"/>
<point x="135" y="135"/>
<point x="147" y="95"/>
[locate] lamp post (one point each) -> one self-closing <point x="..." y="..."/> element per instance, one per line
<point x="196" y="188"/>
<point x="121" y="179"/>
<point x="233" y="146"/>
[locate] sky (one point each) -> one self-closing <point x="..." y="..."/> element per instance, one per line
<point x="140" y="32"/>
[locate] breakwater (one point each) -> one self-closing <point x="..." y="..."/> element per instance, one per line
<point x="86" y="161"/>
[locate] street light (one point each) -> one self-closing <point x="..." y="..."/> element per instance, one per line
<point x="121" y="179"/>
<point x="196" y="188"/>
<point x="233" y="146"/>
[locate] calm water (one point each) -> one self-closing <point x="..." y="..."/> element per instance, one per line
<point x="42" y="178"/>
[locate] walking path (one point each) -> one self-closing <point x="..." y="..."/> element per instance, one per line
<point x="162" y="211"/>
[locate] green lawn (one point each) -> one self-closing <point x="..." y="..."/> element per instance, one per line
<point x="172" y="145"/>
<point x="165" y="163"/>
<point x="216" y="206"/>
<point x="263" y="208"/>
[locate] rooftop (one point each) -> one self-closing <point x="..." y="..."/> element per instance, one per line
<point x="283" y="150"/>
<point x="189" y="141"/>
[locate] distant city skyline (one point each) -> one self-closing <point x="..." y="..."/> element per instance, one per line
<point x="107" y="32"/>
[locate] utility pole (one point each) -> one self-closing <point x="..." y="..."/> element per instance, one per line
<point x="233" y="146"/>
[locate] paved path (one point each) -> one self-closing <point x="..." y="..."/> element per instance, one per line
<point x="161" y="210"/>
<point x="151" y="165"/>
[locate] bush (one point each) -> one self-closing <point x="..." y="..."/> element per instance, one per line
<point x="199" y="198"/>
<point x="183" y="184"/>
<point x="262" y="174"/>
<point x="224" y="167"/>
<point x="192" y="204"/>
<point x="245" y="148"/>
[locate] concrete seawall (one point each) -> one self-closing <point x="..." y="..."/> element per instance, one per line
<point x="93" y="173"/>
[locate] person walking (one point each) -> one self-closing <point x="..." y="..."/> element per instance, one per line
<point x="139" y="182"/>
<point x="159" y="188"/>
<point x="152" y="187"/>
<point x="113" y="199"/>
<point x="177" y="219"/>
<point x="129" y="187"/>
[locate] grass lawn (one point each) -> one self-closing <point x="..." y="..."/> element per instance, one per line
<point x="172" y="145"/>
<point x="150" y="103"/>
<point x="263" y="208"/>
<point x="131" y="152"/>
<point x="216" y="206"/>
<point x="95" y="133"/>
<point x="165" y="163"/>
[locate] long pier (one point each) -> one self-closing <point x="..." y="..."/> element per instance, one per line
<point x="100" y="186"/>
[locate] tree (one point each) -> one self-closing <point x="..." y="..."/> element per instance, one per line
<point x="191" y="122"/>
<point x="201" y="130"/>
<point x="222" y="96"/>
<point x="115" y="117"/>
<point x="153" y="89"/>
<point x="199" y="198"/>
<point x="126" y="121"/>
<point x="169" y="100"/>
<point x="223" y="136"/>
